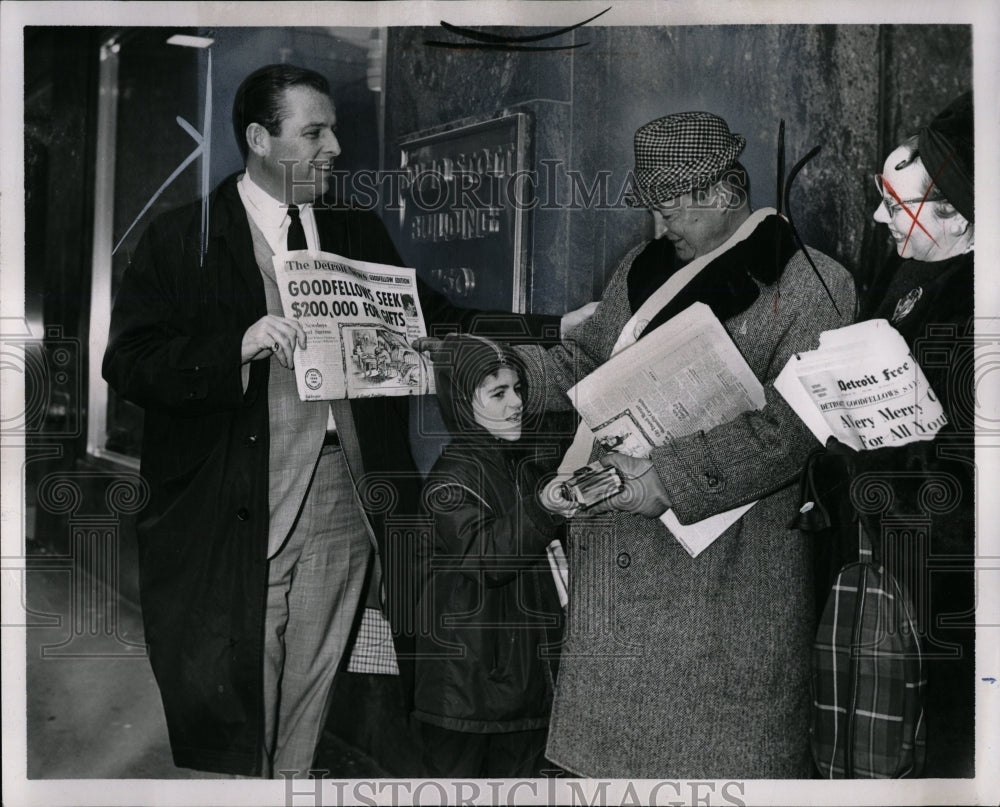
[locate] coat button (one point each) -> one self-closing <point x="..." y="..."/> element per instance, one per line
<point x="624" y="560"/>
<point x="243" y="514"/>
<point x="713" y="481"/>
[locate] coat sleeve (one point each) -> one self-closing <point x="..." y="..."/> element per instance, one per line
<point x="163" y="352"/>
<point x="759" y="452"/>
<point x="371" y="241"/>
<point x="472" y="538"/>
<point x="443" y="317"/>
<point x="552" y="371"/>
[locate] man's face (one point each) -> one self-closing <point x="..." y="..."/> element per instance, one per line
<point x="908" y="211"/>
<point x="695" y="226"/>
<point x="297" y="162"/>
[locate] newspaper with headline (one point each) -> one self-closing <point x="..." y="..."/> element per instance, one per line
<point x="685" y="376"/>
<point x="359" y="319"/>
<point x="862" y="386"/>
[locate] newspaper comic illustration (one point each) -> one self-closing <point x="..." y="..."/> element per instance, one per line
<point x="359" y="320"/>
<point x="863" y="387"/>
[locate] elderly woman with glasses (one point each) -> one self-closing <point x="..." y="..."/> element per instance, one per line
<point x="926" y="187"/>
<point x="915" y="503"/>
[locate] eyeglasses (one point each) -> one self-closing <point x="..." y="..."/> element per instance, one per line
<point x="893" y="204"/>
<point x="892" y="208"/>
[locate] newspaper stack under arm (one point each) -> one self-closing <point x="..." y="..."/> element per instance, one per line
<point x="685" y="376"/>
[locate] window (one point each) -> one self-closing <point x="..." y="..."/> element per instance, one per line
<point x="157" y="101"/>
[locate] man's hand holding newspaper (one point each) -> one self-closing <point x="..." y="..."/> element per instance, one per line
<point x="641" y="493"/>
<point x="685" y="376"/>
<point x="273" y="336"/>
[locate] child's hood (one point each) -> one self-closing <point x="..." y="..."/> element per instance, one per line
<point x="463" y="362"/>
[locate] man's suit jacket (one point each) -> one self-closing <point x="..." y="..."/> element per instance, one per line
<point x="175" y="350"/>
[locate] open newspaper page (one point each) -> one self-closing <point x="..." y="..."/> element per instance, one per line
<point x="685" y="376"/>
<point x="359" y="319"/>
<point x="862" y="386"/>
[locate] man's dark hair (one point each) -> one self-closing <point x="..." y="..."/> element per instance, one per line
<point x="258" y="99"/>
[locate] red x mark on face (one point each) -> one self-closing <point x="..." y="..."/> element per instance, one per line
<point x="884" y="183"/>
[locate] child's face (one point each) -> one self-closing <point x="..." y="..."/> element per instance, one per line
<point x="496" y="405"/>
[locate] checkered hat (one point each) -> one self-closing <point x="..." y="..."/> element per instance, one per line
<point x="678" y="153"/>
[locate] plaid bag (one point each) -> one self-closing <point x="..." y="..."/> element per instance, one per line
<point x="867" y="678"/>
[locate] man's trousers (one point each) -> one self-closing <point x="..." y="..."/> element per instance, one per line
<point x="314" y="583"/>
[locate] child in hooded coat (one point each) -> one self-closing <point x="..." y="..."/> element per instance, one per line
<point x="490" y="614"/>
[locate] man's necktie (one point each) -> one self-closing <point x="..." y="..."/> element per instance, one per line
<point x="296" y="234"/>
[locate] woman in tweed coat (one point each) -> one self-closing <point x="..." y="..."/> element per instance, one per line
<point x="676" y="666"/>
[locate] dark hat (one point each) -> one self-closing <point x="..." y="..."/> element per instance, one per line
<point x="678" y="153"/>
<point x="947" y="149"/>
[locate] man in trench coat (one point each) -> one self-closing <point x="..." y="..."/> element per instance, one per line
<point x="254" y="546"/>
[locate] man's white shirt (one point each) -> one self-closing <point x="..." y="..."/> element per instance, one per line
<point x="271" y="216"/>
<point x="272" y="219"/>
